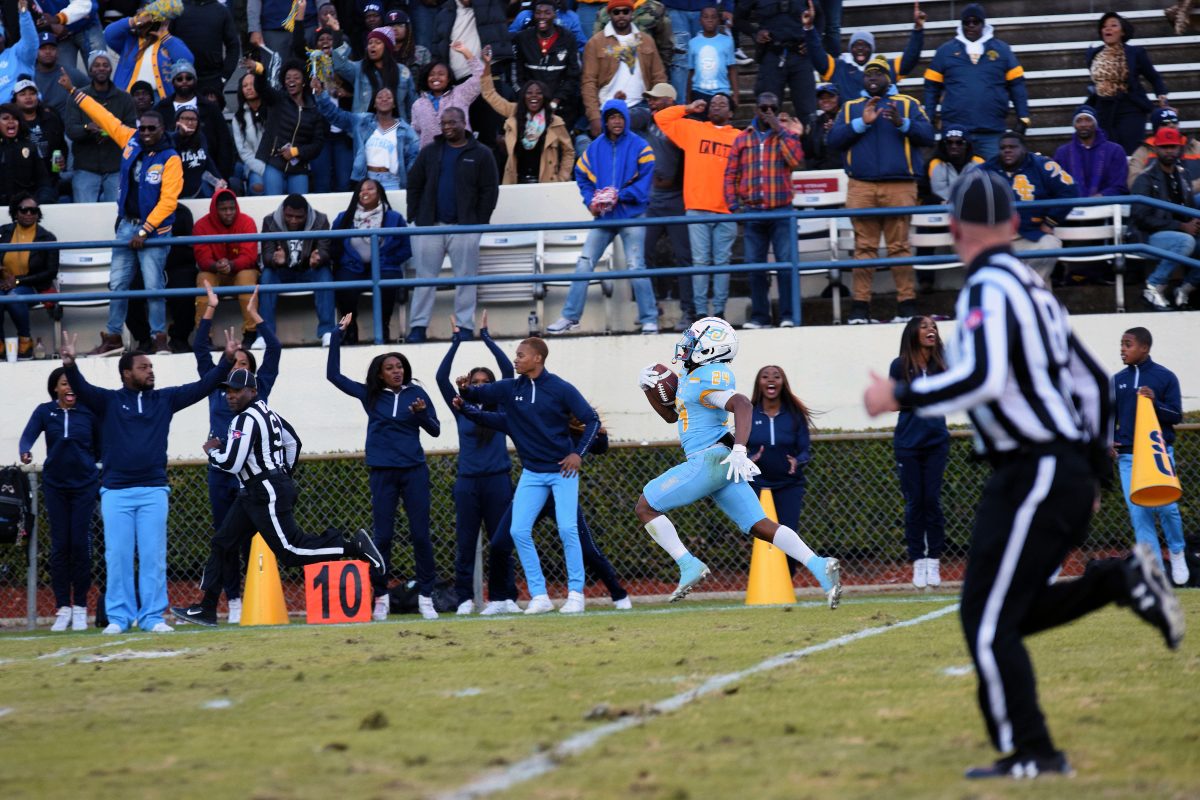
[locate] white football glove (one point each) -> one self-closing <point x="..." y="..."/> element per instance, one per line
<point x="649" y="378"/>
<point x="740" y="465"/>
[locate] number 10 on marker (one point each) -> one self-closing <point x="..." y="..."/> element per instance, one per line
<point x="337" y="591"/>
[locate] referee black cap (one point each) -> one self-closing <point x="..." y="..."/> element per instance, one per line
<point x="241" y="379"/>
<point x="982" y="197"/>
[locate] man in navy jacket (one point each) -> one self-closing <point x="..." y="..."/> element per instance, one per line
<point x="135" y="421"/>
<point x="1142" y="377"/>
<point x="538" y="408"/>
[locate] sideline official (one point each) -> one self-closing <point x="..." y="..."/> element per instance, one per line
<point x="261" y="449"/>
<point x="1042" y="412"/>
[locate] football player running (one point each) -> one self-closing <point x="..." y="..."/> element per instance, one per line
<point x="717" y="465"/>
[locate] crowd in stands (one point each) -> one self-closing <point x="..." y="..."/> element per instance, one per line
<point x="449" y="99"/>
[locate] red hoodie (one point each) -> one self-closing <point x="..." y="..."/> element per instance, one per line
<point x="243" y="255"/>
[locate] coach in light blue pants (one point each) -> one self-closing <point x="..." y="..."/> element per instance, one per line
<point x="532" y="490"/>
<point x="135" y="518"/>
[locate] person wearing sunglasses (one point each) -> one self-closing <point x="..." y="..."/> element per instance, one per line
<point x="975" y="77"/>
<point x="151" y="180"/>
<point x="619" y="63"/>
<point x="25" y="271"/>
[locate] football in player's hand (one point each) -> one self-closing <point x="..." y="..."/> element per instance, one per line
<point x="664" y="391"/>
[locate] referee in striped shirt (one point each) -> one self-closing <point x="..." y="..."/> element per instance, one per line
<point x="261" y="449"/>
<point x="1042" y="412"/>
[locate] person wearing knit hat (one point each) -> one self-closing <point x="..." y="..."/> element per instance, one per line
<point x="1189" y="157"/>
<point x="1117" y="69"/>
<point x="1097" y="165"/>
<point x="378" y="68"/>
<point x="975" y="78"/>
<point x="1041" y="408"/>
<point x="846" y="70"/>
<point x="97" y="158"/>
<point x="618" y="60"/>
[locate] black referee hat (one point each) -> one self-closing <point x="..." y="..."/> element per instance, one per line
<point x="240" y="379"/>
<point x="981" y="197"/>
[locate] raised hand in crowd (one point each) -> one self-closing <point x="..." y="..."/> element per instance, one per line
<point x="697" y="106"/>
<point x="418" y="406"/>
<point x="67" y="349"/>
<point x="919" y="17"/>
<point x="807" y="16"/>
<point x="64" y="81"/>
<point x="252" y="307"/>
<point x="466" y="53"/>
<point x="345" y="321"/>
<point x="791" y="124"/>
<point x="232" y="343"/>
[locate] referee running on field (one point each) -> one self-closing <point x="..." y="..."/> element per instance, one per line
<point x="261" y="449"/>
<point x="1042" y="412"/>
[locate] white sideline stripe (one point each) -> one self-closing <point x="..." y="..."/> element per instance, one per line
<point x="66" y="651"/>
<point x="546" y="762"/>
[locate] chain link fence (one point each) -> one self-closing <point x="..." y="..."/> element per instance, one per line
<point x="853" y="510"/>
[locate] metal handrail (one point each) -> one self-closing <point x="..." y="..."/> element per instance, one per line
<point x="792" y="265"/>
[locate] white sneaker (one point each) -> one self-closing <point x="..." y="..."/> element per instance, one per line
<point x="259" y="344"/>
<point x="919" y="579"/>
<point x="741" y="59"/>
<point x="61" y="619"/>
<point x="383" y="604"/>
<point x="235" y="611"/>
<point x="574" y="604"/>
<point x="325" y="337"/>
<point x="539" y="605"/>
<point x="113" y="629"/>
<point x="1154" y="296"/>
<point x="1179" y="568"/>
<point x="933" y="571"/>
<point x="162" y="627"/>
<point x="510" y="607"/>
<point x="786" y="323"/>
<point x="649" y="328"/>
<point x="562" y="325"/>
<point x="751" y="325"/>
<point x="494" y="607"/>
<point x="465" y="608"/>
<point x="79" y="618"/>
<point x="425" y="606"/>
<point x="1182" y="294"/>
<point x="624" y="604"/>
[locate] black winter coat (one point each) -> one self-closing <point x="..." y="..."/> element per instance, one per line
<point x="558" y="69"/>
<point x="43" y="264"/>
<point x="1153" y="182"/>
<point x="302" y="127"/>
<point x="212" y="124"/>
<point x="208" y="29"/>
<point x="477" y="184"/>
<point x="22" y="170"/>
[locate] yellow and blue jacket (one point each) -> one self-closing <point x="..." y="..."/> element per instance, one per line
<point x="882" y="151"/>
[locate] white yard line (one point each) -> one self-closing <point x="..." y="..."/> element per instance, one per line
<point x="552" y="759"/>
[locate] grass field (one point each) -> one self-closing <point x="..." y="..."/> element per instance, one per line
<point x="870" y="708"/>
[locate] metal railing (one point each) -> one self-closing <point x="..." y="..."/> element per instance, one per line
<point x="791" y="266"/>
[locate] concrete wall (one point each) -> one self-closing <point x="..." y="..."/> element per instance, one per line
<point x="827" y="366"/>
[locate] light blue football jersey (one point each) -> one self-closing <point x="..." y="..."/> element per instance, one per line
<point x="700" y="423"/>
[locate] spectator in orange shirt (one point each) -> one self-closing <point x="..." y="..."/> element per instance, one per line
<point x="706" y="147"/>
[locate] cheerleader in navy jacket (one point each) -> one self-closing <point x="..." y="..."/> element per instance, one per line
<point x="69" y="488"/>
<point x="922" y="445"/>
<point x="483" y="487"/>
<point x="779" y="444"/>
<point x="397" y="411"/>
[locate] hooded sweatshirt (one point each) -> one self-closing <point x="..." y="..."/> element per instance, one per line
<point x="626" y="164"/>
<point x="314" y="221"/>
<point x="243" y="255"/>
<point x="974" y="82"/>
<point x="1098" y="170"/>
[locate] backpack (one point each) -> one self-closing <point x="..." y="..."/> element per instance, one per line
<point x="16" y="506"/>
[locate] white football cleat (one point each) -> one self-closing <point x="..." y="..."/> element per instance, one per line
<point x="624" y="604"/>
<point x="113" y="629"/>
<point x="62" y="619"/>
<point x="933" y="571"/>
<point x="383" y="604"/>
<point x="539" y="605"/>
<point x="920" y="574"/>
<point x="425" y="606"/>
<point x="465" y="608"/>
<point x="162" y="627"/>
<point x="235" y="611"/>
<point x="574" y="605"/>
<point x="79" y="618"/>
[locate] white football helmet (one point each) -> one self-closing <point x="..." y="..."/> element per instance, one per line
<point x="707" y="341"/>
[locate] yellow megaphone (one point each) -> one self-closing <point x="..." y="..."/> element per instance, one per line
<point x="1153" y="482"/>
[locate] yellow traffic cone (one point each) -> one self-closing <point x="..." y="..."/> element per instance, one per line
<point x="770" y="580"/>
<point x="1153" y="481"/>
<point x="262" y="601"/>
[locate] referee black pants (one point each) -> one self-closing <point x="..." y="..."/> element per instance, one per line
<point x="1034" y="510"/>
<point x="265" y="506"/>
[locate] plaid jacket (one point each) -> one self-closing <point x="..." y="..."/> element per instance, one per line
<point x="758" y="176"/>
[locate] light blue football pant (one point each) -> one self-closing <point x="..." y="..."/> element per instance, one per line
<point x="135" y="518"/>
<point x="1143" y="517"/>
<point x="532" y="491"/>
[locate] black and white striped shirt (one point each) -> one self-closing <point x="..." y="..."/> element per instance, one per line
<point x="1015" y="365"/>
<point x="259" y="440"/>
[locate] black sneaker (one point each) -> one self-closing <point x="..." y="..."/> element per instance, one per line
<point x="362" y="546"/>
<point x="859" y="313"/>
<point x="1021" y="767"/>
<point x="905" y="310"/>
<point x="1151" y="597"/>
<point x="197" y="615"/>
